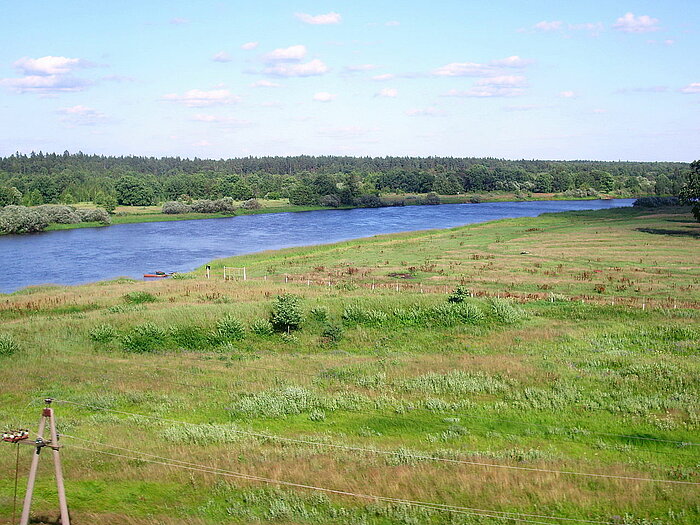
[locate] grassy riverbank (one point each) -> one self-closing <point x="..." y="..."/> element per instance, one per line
<point x="483" y="404"/>
<point x="135" y="214"/>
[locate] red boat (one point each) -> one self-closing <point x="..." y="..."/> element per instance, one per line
<point x="157" y="274"/>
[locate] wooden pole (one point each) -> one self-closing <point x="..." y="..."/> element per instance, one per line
<point x="24" y="519"/>
<point x="62" y="503"/>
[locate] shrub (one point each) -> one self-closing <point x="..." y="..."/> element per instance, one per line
<point x="468" y="313"/>
<point x="286" y="312"/>
<point x="356" y="314"/>
<point x="139" y="297"/>
<point x="458" y="295"/>
<point x="20" y="219"/>
<point x="432" y="198"/>
<point x="8" y="346"/>
<point x="261" y="327"/>
<point x="319" y="313"/>
<point x="229" y="328"/>
<point x="332" y="201"/>
<point x="54" y="213"/>
<point x="370" y="201"/>
<point x="176" y="207"/>
<point x="103" y="333"/>
<point x="332" y="332"/>
<point x="224" y="205"/>
<point x="251" y="204"/>
<point x="504" y="311"/>
<point x="147" y="337"/>
<point x="94" y="215"/>
<point x="476" y="199"/>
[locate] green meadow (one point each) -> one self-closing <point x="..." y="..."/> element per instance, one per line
<point x="533" y="370"/>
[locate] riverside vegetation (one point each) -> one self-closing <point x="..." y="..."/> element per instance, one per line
<point x="435" y="396"/>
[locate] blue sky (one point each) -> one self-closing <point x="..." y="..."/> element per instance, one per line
<point x="602" y="80"/>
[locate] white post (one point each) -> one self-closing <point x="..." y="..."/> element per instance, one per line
<point x="286" y="278"/>
<point x="245" y="277"/>
<point x="224" y="273"/>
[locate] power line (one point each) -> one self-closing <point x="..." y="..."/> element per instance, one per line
<point x="404" y="454"/>
<point x="513" y="516"/>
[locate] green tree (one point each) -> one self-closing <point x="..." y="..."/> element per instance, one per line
<point x="10" y="195"/>
<point x="133" y="192"/>
<point x="690" y="193"/>
<point x="106" y="201"/>
<point x="33" y="198"/>
<point x="302" y="195"/>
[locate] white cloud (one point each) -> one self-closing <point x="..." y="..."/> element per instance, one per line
<point x="49" y="65"/>
<point x="45" y="84"/>
<point x="202" y="143"/>
<point x="475" y="69"/>
<point x="387" y="92"/>
<point x="651" y="89"/>
<point x="286" y="54"/>
<point x="567" y="94"/>
<point x="485" y="91"/>
<point x="503" y="81"/>
<point x="462" y="69"/>
<point x="307" y="69"/>
<point x="179" y="21"/>
<point x="196" y="98"/>
<point x="323" y="96"/>
<point x="264" y="84"/>
<point x="249" y="45"/>
<point x="512" y="61"/>
<point x="81" y="115"/>
<point x="554" y="25"/>
<point x="392" y="23"/>
<point x="691" y="89"/>
<point x="215" y="119"/>
<point x="222" y="56"/>
<point x="328" y="18"/>
<point x="636" y="24"/>
<point x="599" y="111"/>
<point x="385" y="76"/>
<point x="47" y="75"/>
<point x="425" y="112"/>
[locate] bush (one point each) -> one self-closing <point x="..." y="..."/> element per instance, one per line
<point x="458" y="295"/>
<point x="504" y="311"/>
<point x="103" y="333"/>
<point x="139" y="297"/>
<point x="261" y="327"/>
<point x="54" y="213"/>
<point x="176" y="207"/>
<point x="332" y="332"/>
<point x="656" y="202"/>
<point x="147" y="337"/>
<point x="476" y="199"/>
<point x="224" y="205"/>
<point x="20" y="219"/>
<point x="332" y="201"/>
<point x="319" y="313"/>
<point x="432" y="198"/>
<point x="8" y="346"/>
<point x="286" y="312"/>
<point x="356" y="314"/>
<point x="370" y="201"/>
<point x="251" y="204"/>
<point x="94" y="215"/>
<point x="229" y="328"/>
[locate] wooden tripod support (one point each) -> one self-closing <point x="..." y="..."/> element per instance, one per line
<point x="46" y="415"/>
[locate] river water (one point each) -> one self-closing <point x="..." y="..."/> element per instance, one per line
<point x="94" y="254"/>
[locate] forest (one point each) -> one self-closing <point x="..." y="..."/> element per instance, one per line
<point x="45" y="178"/>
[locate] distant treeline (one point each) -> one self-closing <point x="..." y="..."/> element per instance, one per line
<point x="41" y="178"/>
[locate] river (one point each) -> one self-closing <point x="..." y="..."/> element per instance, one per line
<point x="93" y="254"/>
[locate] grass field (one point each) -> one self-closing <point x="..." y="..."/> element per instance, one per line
<point x="537" y="408"/>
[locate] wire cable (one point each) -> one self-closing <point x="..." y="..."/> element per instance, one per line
<point x="392" y="453"/>
<point x="513" y="516"/>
